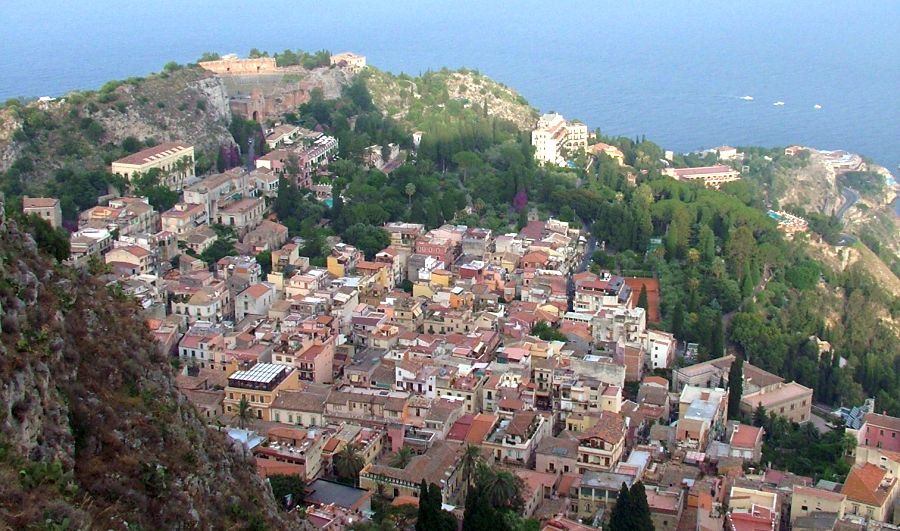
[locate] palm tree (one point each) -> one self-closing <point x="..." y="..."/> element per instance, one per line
<point x="471" y="458"/>
<point x="402" y="458"/>
<point x="410" y="190"/>
<point x="245" y="413"/>
<point x="504" y="490"/>
<point x="348" y="463"/>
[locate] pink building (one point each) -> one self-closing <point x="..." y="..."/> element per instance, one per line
<point x="880" y="431"/>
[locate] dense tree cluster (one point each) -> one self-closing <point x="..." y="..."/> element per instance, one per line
<point x="631" y="512"/>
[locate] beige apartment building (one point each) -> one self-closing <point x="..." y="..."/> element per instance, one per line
<point x="806" y="501"/>
<point x="259" y="386"/>
<point x="711" y="176"/>
<point x="46" y="208"/>
<point x="350" y="61"/>
<point x="789" y="400"/>
<point x="174" y="159"/>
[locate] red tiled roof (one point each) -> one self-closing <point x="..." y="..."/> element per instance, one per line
<point x="863" y="484"/>
<point x="147" y="155"/>
<point x="745" y="436"/>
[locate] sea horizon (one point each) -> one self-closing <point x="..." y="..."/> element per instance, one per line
<point x="601" y="64"/>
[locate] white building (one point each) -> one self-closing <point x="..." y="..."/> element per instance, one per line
<point x="553" y="137"/>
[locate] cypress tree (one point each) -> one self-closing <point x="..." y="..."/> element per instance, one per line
<point x="642" y="298"/>
<point x="735" y="387"/>
<point x="425" y="520"/>
<point x="639" y="515"/>
<point x="717" y="338"/>
<point x="678" y="321"/>
<point x="619" y="518"/>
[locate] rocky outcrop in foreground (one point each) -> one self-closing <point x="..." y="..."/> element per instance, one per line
<point x="93" y="433"/>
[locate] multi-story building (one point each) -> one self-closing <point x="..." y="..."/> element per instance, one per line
<point x="46" y="208"/>
<point x="88" y="243"/>
<point x="174" y="160"/>
<point x="440" y="464"/>
<point x="513" y="441"/>
<point x="128" y="215"/>
<point x="141" y="259"/>
<point x="598" y="492"/>
<point x="790" y="400"/>
<point x="183" y="218"/>
<point x="710" y="176"/>
<point x="870" y="492"/>
<point x="201" y="345"/>
<point x="255" y="300"/>
<point x="879" y="431"/>
<point x="806" y="501"/>
<point x="600" y="448"/>
<point x="554" y="138"/>
<point x="404" y="235"/>
<point x="343" y="259"/>
<point x="259" y="386"/>
<point x="243" y="215"/>
<point x="353" y="63"/>
<point x="218" y="190"/>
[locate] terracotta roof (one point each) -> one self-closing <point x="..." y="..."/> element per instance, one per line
<point x="703" y="170"/>
<point x="482" y="425"/>
<point x="140" y="252"/>
<point x="257" y="290"/>
<point x="460" y="428"/>
<point x="610" y="427"/>
<point x="745" y="436"/>
<point x="863" y="485"/>
<point x="148" y="155"/>
<point x="819" y="493"/>
<point x="883" y="421"/>
<point x="39" y="202"/>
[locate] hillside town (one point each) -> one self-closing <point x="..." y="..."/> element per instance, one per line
<point x="453" y="339"/>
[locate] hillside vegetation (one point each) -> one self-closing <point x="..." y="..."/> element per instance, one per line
<point x="445" y="96"/>
<point x="93" y="433"/>
<point x="63" y="148"/>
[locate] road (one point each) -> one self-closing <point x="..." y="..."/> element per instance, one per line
<point x="851" y="196"/>
<point x="589" y="248"/>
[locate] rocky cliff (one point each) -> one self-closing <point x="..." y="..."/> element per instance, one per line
<point x="93" y="433"/>
<point x="85" y="130"/>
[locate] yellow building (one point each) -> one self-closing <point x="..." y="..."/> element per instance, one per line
<point x="174" y="159"/>
<point x="342" y="260"/>
<point x="259" y="386"/>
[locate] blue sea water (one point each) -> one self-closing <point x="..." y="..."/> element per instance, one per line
<point x="674" y="71"/>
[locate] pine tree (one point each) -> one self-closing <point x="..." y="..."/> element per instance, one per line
<point x="639" y="509"/>
<point x="760" y="417"/>
<point x="642" y="298"/>
<point x="735" y="387"/>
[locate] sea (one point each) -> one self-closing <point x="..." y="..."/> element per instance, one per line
<point x="680" y="72"/>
